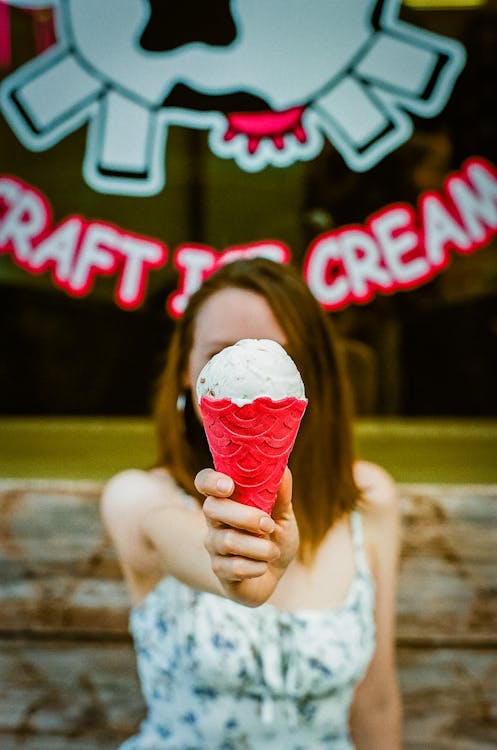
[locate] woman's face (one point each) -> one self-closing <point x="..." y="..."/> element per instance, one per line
<point x="228" y="316"/>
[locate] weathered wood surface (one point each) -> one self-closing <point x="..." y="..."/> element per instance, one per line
<point x="83" y="696"/>
<point x="448" y="575"/>
<point x="67" y="669"/>
<point x="59" y="573"/>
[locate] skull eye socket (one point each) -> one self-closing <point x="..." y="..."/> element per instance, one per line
<point x="172" y="25"/>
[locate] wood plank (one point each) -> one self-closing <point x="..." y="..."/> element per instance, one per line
<point x="447" y="587"/>
<point x="51" y="742"/>
<point x="80" y="696"/>
<point x="57" y="568"/>
<point x="59" y="575"/>
<point x="449" y="698"/>
<point x="68" y="690"/>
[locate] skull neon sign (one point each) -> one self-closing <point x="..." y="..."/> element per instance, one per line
<point x="349" y="71"/>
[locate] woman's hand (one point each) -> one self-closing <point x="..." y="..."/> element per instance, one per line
<point x="249" y="549"/>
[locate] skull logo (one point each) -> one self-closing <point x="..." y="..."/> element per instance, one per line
<point x="269" y="81"/>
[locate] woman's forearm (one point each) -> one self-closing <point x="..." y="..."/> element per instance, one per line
<point x="378" y="727"/>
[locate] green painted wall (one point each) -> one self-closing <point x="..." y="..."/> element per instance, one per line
<point x="413" y="450"/>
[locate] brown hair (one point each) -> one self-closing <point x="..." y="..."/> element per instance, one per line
<point x="322" y="458"/>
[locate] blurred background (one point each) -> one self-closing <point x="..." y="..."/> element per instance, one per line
<point x="77" y="368"/>
<point x="426" y="352"/>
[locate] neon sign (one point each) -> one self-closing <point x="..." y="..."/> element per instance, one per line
<point x="75" y="251"/>
<point x="398" y="248"/>
<point x="269" y="81"/>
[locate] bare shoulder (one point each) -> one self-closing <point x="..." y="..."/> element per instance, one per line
<point x="379" y="508"/>
<point x="132" y="491"/>
<point x="127" y="499"/>
<point x="379" y="502"/>
<point x="378" y="489"/>
<point x="125" y="483"/>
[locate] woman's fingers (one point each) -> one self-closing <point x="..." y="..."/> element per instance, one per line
<point x="230" y="542"/>
<point x="230" y="513"/>
<point x="235" y="554"/>
<point x="210" y="482"/>
<point x="242" y="541"/>
<point x="236" y="569"/>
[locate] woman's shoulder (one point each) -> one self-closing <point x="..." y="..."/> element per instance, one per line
<point x="377" y="488"/>
<point x="127" y="499"/>
<point x="379" y="502"/>
<point x="131" y="494"/>
<point x="124" y="489"/>
<point x="379" y="506"/>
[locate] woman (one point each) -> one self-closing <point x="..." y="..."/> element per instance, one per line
<point x="254" y="631"/>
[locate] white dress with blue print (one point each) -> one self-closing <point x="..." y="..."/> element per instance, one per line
<point x="217" y="675"/>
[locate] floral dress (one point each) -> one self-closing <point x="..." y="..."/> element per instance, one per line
<point x="217" y="675"/>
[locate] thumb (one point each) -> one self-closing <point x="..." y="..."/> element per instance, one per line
<point x="282" y="509"/>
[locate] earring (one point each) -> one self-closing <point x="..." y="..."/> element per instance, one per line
<point x="181" y="402"/>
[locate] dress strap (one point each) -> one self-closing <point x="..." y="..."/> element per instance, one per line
<point x="360" y="558"/>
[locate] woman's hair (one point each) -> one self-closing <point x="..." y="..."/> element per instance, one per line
<point x="322" y="458"/>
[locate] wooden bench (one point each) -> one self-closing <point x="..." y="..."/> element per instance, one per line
<point x="67" y="668"/>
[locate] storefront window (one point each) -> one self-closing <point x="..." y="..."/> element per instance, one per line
<point x="375" y="173"/>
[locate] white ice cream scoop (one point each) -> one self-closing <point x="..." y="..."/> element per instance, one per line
<point x="250" y="369"/>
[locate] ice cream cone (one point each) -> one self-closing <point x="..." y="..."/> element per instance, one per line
<point x="252" y="443"/>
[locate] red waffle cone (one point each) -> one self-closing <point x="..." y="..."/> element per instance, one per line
<point x="252" y="443"/>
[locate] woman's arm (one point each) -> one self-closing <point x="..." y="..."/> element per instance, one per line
<point x="156" y="534"/>
<point x="376" y="715"/>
